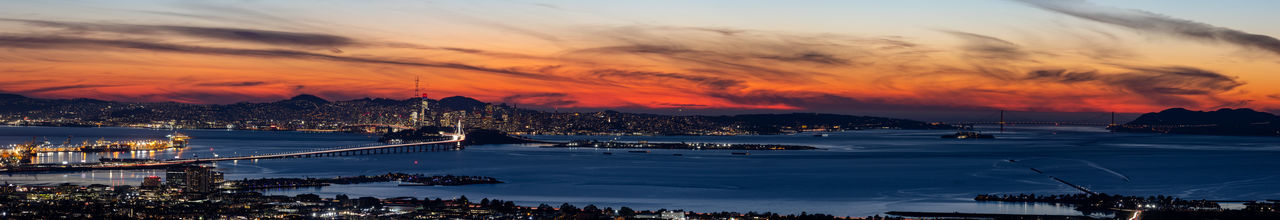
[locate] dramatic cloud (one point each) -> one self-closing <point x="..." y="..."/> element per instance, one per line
<point x="199" y="96"/>
<point x="812" y="57"/>
<point x="68" y="87"/>
<point x="1069" y="67"/>
<point x="234" y="84"/>
<point x="1157" y="23"/>
<point x="540" y="99"/>
<point x="990" y="48"/>
<point x="1175" y="81"/>
<point x="54" y="42"/>
<point x="748" y="54"/>
<point x="659" y="78"/>
<point x="1165" y="85"/>
<point x="1063" y="76"/>
<point x="229" y="34"/>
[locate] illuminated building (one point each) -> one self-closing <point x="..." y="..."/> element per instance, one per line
<point x="151" y="182"/>
<point x="193" y="179"/>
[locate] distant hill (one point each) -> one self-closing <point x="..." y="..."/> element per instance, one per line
<point x="309" y="98"/>
<point x="1220" y="122"/>
<point x="461" y="103"/>
<point x="313" y="112"/>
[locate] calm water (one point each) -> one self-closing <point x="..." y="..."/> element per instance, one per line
<point x="857" y="173"/>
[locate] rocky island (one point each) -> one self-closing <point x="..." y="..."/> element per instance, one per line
<point x="1243" y="122"/>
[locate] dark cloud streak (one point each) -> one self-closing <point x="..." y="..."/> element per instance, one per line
<point x="540" y="99"/>
<point x="661" y="78"/>
<point x="1164" y="85"/>
<point x="69" y="87"/>
<point x="54" y="42"/>
<point x="990" y="48"/>
<point x="228" y="34"/>
<point x="1158" y="23"/>
<point x="234" y="84"/>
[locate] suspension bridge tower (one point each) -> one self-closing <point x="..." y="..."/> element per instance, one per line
<point x="1002" y="122"/>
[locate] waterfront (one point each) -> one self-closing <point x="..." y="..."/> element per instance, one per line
<point x="858" y="173"/>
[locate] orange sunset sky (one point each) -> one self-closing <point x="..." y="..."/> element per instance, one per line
<point x="828" y="56"/>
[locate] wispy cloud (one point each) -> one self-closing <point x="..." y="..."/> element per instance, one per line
<point x="233" y="84"/>
<point x="67" y="87"/>
<point x="652" y="66"/>
<point x="1158" y="23"/>
<point x="989" y="48"/>
<point x="550" y="99"/>
<point x="70" y="43"/>
<point x="1166" y="85"/>
<point x="267" y="37"/>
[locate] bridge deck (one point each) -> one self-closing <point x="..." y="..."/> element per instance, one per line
<point x="453" y="139"/>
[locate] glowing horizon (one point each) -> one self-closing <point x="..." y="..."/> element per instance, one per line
<point x="1031" y="55"/>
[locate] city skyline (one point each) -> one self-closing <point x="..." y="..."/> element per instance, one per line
<point x="673" y="110"/>
<point x="855" y="57"/>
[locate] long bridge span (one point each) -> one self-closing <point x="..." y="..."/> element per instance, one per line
<point x="389" y="148"/>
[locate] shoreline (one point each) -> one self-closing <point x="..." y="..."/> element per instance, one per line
<point x="623" y="134"/>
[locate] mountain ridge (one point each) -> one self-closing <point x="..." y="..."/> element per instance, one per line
<point x="312" y="112"/>
<point x="1225" y="121"/>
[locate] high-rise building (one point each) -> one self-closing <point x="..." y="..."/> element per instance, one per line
<point x="175" y="177"/>
<point x="151" y="182"/>
<point x="193" y="179"/>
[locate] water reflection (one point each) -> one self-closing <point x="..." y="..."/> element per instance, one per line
<point x="858" y="173"/>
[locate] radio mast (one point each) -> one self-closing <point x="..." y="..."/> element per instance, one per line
<point x="417" y="116"/>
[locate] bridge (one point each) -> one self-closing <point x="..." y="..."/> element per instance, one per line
<point x="1053" y="123"/>
<point x="389" y="148"/>
<point x="1096" y="120"/>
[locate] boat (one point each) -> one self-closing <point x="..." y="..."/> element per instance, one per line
<point x="178" y="140"/>
<point x="968" y="135"/>
<point x="103" y="146"/>
<point x="741" y="153"/>
<point x="821" y="135"/>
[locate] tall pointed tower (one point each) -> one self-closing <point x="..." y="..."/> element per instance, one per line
<point x="421" y="116"/>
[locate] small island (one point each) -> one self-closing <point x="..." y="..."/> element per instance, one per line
<point x="682" y="145"/>
<point x="404" y="178"/>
